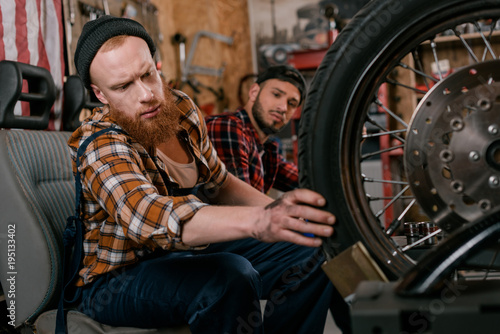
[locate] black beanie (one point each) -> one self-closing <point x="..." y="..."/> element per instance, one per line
<point x="96" y="32"/>
<point x="285" y="73"/>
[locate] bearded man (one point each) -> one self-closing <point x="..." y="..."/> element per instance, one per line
<point x="242" y="138"/>
<point x="170" y="236"/>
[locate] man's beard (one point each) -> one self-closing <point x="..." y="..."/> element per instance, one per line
<point x="258" y="115"/>
<point x="150" y="132"/>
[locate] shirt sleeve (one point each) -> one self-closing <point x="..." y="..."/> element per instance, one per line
<point x="115" y="176"/>
<point x="287" y="177"/>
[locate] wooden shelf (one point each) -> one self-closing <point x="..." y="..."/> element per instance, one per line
<point x="469" y="36"/>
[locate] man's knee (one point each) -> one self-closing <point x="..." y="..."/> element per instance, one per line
<point x="238" y="272"/>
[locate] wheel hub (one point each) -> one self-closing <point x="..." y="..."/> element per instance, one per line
<point x="452" y="149"/>
<point x="493" y="155"/>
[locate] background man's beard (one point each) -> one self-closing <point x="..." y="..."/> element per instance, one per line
<point x="151" y="131"/>
<point x="257" y="112"/>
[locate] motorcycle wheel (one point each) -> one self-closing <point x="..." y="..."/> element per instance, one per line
<point x="382" y="45"/>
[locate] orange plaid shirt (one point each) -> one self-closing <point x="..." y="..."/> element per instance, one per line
<point x="126" y="206"/>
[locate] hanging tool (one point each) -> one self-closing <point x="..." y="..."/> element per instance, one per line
<point x="91" y="11"/>
<point x="180" y="40"/>
<point x="105" y="6"/>
<point x="190" y="69"/>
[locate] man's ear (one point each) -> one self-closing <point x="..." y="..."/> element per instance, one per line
<point x="253" y="92"/>
<point x="99" y="94"/>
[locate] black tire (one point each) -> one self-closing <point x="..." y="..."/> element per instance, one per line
<point x="343" y="90"/>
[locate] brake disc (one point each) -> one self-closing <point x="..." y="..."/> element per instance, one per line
<point x="452" y="148"/>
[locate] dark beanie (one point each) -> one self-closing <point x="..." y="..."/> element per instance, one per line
<point x="285" y="73"/>
<point x="96" y="32"/>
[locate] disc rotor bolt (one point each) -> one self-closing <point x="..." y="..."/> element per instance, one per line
<point x="494" y="181"/>
<point x="457" y="186"/>
<point x="493" y="129"/>
<point x="457" y="124"/>
<point x="485" y="205"/>
<point x="474" y="156"/>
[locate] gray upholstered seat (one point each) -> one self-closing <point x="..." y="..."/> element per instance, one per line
<point x="37" y="194"/>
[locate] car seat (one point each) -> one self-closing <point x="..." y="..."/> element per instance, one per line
<point x="37" y="194"/>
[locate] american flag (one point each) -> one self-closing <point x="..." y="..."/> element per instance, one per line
<point x="31" y="32"/>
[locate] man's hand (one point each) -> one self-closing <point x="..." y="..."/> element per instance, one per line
<point x="295" y="213"/>
<point x="287" y="219"/>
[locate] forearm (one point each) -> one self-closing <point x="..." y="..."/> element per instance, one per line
<point x="239" y="207"/>
<point x="237" y="192"/>
<point x="287" y="219"/>
<point x="213" y="224"/>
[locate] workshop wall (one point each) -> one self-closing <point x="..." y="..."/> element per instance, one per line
<point x="163" y="19"/>
<point x="225" y="17"/>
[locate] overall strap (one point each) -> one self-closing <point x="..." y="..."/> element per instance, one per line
<point x="184" y="191"/>
<point x="79" y="153"/>
<point x="174" y="190"/>
<point x="73" y="235"/>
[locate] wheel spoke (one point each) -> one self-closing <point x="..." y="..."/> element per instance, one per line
<point x="374" y="153"/>
<point x="384" y="132"/>
<point x="419" y="241"/>
<point x="369" y="179"/>
<point x="466" y="45"/>
<point x="386" y="198"/>
<point x="394" y="82"/>
<point x="418" y="63"/>
<point x="486" y="42"/>
<point x="419" y="72"/>
<point x="390" y="112"/>
<point x="436" y="59"/>
<point x="391" y="202"/>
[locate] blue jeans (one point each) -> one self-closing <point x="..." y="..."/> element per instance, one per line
<point x="217" y="290"/>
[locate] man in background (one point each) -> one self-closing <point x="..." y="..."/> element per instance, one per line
<point x="242" y="138"/>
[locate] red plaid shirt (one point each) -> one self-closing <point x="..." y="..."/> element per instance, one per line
<point x="239" y="147"/>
